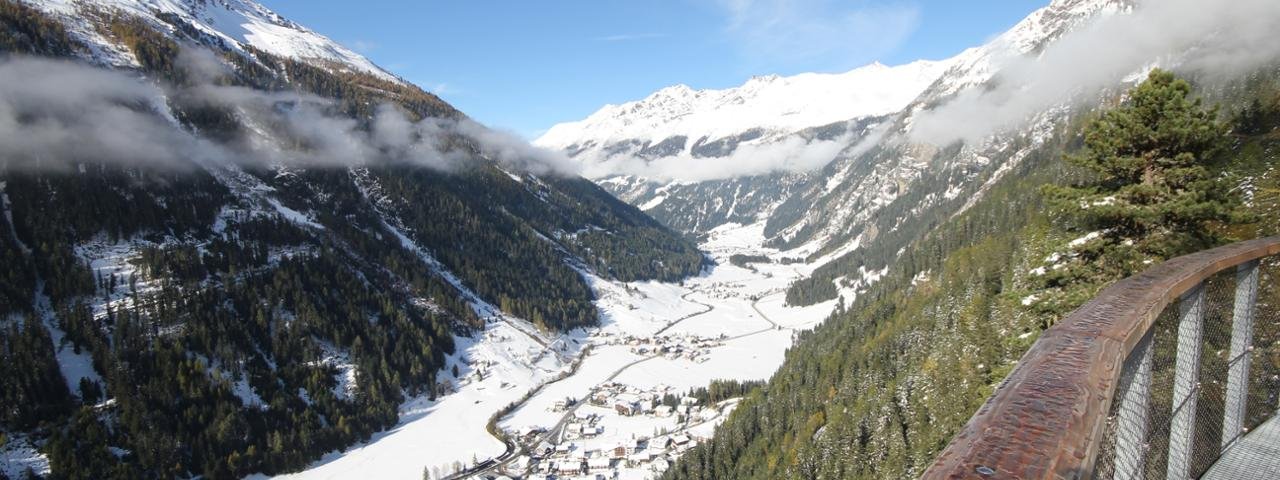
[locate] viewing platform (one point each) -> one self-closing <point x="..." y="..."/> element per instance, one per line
<point x="1173" y="373"/>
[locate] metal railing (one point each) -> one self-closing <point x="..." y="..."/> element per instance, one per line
<point x="1155" y="377"/>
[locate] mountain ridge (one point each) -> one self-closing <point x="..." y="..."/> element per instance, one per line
<point x="220" y="261"/>
<point x="808" y="103"/>
<point x="239" y="23"/>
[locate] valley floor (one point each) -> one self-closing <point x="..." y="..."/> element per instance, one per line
<point x="654" y="339"/>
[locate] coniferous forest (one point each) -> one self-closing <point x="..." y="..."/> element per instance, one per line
<point x="218" y="328"/>
<point x="334" y="243"/>
<point x="882" y="386"/>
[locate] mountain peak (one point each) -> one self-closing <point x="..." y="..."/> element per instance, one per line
<point x="771" y="102"/>
<point x="239" y="23"/>
<point x="770" y="78"/>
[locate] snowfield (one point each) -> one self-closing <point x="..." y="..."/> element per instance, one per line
<point x="766" y="102"/>
<point x="494" y="370"/>
<point x="239" y="23"/>
<point x="729" y="323"/>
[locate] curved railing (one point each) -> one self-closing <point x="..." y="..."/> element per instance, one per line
<point x="1114" y="390"/>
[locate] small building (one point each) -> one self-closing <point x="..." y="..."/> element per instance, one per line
<point x="638" y="459"/>
<point x="598" y="464"/>
<point x="646" y="406"/>
<point x="625" y="409"/>
<point x="662" y="411"/>
<point x="571" y="466"/>
<point x="530" y="431"/>
<point x="681" y="439"/>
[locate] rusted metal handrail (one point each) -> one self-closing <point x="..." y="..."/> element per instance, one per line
<point x="1047" y="419"/>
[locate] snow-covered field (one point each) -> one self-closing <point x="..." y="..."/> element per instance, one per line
<point x="494" y="370"/>
<point x="729" y="323"/>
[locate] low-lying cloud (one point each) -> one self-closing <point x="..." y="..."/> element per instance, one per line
<point x="1191" y="35"/>
<point x="52" y="112"/>
<point x="55" y="114"/>
<point x="792" y="153"/>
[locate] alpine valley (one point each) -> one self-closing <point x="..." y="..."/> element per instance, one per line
<point x="923" y="213"/>
<point x="232" y="248"/>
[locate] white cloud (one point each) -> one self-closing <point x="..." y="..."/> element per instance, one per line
<point x="1213" y="40"/>
<point x="787" y="154"/>
<point x="54" y="114"/>
<point x="820" y="34"/>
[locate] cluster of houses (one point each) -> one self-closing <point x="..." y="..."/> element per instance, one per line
<point x="693" y="348"/>
<point x="628" y="401"/>
<point x="570" y="460"/>
<point x="582" y="453"/>
<point x="724" y="290"/>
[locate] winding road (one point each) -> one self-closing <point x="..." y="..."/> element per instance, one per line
<point x="685" y="297"/>
<point x="499" y="463"/>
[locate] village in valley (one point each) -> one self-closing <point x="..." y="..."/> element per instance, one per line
<point x="622" y="400"/>
<point x="618" y="430"/>
<point x="583" y="448"/>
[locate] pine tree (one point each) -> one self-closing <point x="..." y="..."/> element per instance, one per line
<point x="1151" y="195"/>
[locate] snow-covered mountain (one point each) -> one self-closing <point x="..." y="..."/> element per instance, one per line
<point x="833" y="209"/>
<point x="681" y="153"/>
<point x="240" y="24"/>
<point x="684" y="155"/>
<point x="866" y="183"/>
<point x="701" y="123"/>
<point x="207" y="211"/>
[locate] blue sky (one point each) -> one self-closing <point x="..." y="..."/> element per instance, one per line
<point x="526" y="65"/>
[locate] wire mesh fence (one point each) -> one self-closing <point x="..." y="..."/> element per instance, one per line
<point x="1204" y="377"/>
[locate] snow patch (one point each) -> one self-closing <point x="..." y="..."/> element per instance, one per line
<point x="19" y="454"/>
<point x="8" y="217"/>
<point x="1085" y="239"/>
<point x="346" y="386"/>
<point x="73" y="365"/>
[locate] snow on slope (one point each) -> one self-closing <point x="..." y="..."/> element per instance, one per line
<point x="859" y="182"/>
<point x="979" y="64"/>
<point x="495" y="369"/>
<point x="239" y="23"/>
<point x="506" y="361"/>
<point x="770" y="102"/>
<point x="20" y="454"/>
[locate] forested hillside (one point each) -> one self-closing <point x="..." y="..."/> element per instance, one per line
<point x="195" y="315"/>
<point x="880" y="388"/>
